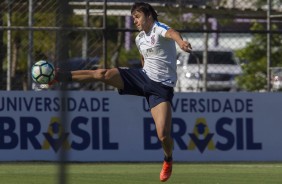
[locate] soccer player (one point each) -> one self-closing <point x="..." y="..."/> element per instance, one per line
<point x="155" y="81"/>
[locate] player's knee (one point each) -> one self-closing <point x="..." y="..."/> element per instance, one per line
<point x="107" y="75"/>
<point x="110" y="74"/>
<point x="101" y="74"/>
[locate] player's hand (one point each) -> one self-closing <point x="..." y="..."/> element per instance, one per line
<point x="186" y="46"/>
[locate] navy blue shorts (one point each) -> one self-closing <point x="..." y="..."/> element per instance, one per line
<point x="136" y="82"/>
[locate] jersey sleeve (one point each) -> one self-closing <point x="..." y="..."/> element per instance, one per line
<point x="162" y="28"/>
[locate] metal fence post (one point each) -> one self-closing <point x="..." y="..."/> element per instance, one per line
<point x="30" y="58"/>
<point x="205" y="53"/>
<point x="268" y="54"/>
<point x="85" y="36"/>
<point x="105" y="37"/>
<point x="9" y="44"/>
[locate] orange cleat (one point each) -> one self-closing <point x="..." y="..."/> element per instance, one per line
<point x="166" y="171"/>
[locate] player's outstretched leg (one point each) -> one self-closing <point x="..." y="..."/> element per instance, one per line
<point x="109" y="76"/>
<point x="162" y="117"/>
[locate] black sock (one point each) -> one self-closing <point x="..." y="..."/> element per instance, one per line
<point x="64" y="76"/>
<point x="168" y="159"/>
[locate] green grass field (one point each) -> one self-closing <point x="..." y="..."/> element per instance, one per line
<point x="148" y="173"/>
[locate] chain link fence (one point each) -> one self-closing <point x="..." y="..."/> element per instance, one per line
<point x="229" y="39"/>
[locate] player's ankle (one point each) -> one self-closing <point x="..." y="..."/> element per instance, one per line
<point x="168" y="158"/>
<point x="64" y="76"/>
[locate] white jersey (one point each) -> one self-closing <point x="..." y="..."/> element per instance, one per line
<point x="159" y="54"/>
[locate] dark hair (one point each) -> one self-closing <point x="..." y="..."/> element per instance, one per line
<point x="146" y="8"/>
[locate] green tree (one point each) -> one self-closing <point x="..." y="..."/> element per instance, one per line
<point x="254" y="77"/>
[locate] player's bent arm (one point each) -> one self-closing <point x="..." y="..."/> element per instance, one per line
<point x="176" y="36"/>
<point x="173" y="34"/>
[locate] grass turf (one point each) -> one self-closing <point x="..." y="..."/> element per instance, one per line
<point x="142" y="173"/>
